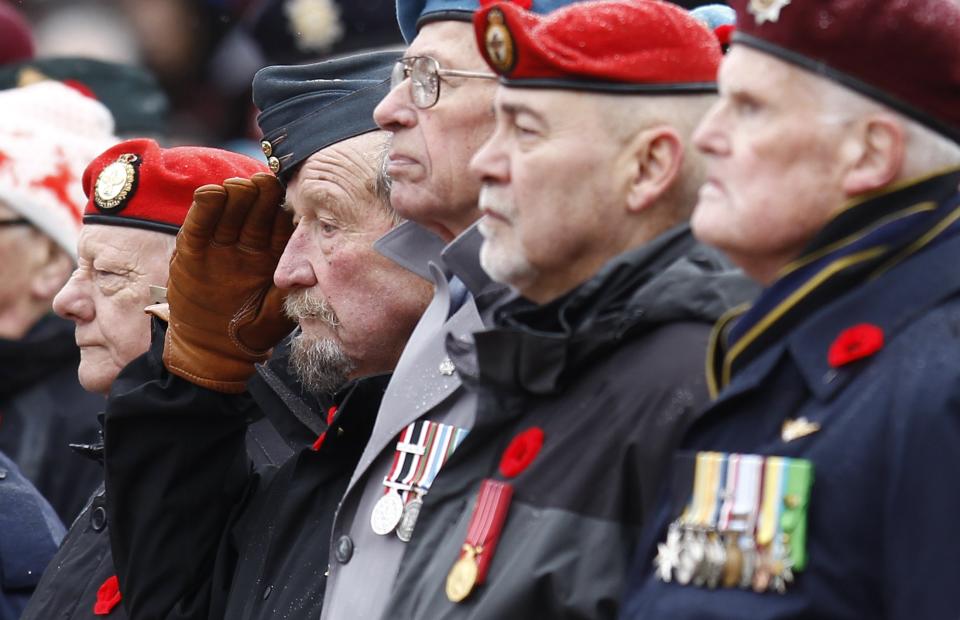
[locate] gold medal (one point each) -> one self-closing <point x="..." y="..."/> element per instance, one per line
<point x="463" y="575"/>
<point x="733" y="567"/>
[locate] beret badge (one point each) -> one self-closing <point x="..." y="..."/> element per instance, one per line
<point x="499" y="42"/>
<point x="766" y="10"/>
<point x="116" y="183"/>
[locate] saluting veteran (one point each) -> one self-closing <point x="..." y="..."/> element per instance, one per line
<point x="218" y="540"/>
<point x="585" y="381"/>
<point x="818" y="485"/>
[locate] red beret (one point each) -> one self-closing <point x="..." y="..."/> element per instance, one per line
<point x="904" y="54"/>
<point x="136" y="183"/>
<point x="638" y="46"/>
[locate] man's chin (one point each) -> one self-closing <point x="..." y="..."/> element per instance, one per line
<point x="96" y="380"/>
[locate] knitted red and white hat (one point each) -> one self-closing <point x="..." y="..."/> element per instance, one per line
<point x="49" y="132"/>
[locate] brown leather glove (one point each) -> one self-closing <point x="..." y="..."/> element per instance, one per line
<point x="225" y="312"/>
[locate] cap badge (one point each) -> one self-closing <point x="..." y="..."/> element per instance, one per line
<point x="499" y="42"/>
<point x="116" y="183"/>
<point x="766" y="10"/>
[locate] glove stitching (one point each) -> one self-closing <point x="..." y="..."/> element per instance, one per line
<point x="244" y="313"/>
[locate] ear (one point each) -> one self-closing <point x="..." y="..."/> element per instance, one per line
<point x="656" y="160"/>
<point x="52" y="273"/>
<point x="879" y="158"/>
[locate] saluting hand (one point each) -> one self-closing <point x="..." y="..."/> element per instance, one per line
<point x="225" y="312"/>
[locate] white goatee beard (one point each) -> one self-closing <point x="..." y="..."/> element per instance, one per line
<point x="320" y="364"/>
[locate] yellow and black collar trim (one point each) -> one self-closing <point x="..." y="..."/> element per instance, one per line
<point x="863" y="241"/>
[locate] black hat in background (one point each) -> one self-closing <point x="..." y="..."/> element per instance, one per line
<point x="132" y="95"/>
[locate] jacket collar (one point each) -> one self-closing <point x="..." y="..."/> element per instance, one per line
<point x="921" y="283"/>
<point x="462" y="258"/>
<point x="863" y="241"/>
<point x="533" y="348"/>
<point x="411" y="246"/>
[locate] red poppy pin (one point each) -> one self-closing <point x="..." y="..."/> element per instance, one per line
<point x="331" y="414"/>
<point x="520" y="453"/>
<point x="108" y="597"/>
<point x="855" y="343"/>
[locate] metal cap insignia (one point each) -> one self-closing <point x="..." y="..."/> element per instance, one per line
<point x="766" y="10"/>
<point x="499" y="42"/>
<point x="116" y="183"/>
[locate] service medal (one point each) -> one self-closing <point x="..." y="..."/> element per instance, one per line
<point x="463" y="576"/>
<point x="387" y="513"/>
<point x="733" y="566"/>
<point x="483" y="533"/>
<point x="409" y="519"/>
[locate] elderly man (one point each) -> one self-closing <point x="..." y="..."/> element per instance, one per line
<point x="196" y="535"/>
<point x="48" y="134"/>
<point x="138" y="196"/>
<point x="587" y="376"/>
<point x="437" y="113"/>
<point x="814" y="486"/>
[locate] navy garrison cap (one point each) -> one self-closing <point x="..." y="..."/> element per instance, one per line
<point x="412" y="14"/>
<point x="306" y="108"/>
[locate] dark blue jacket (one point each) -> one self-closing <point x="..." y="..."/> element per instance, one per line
<point x="29" y="534"/>
<point x="883" y="540"/>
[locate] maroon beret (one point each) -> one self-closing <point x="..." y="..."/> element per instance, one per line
<point x="16" y="39"/>
<point x="637" y="46"/>
<point x="904" y="53"/>
<point x="136" y="183"/>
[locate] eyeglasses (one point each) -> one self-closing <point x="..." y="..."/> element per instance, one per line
<point x="20" y="221"/>
<point x="425" y="73"/>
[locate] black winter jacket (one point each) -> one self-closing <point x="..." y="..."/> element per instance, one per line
<point x="197" y="532"/>
<point x="611" y="373"/>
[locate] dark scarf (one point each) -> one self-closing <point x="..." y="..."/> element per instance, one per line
<point x="866" y="239"/>
<point x="45" y="349"/>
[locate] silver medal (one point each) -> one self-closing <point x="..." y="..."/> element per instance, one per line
<point x="387" y="513"/>
<point x="716" y="559"/>
<point x="668" y="554"/>
<point x="409" y="519"/>
<point x="690" y="556"/>
<point x="749" y="561"/>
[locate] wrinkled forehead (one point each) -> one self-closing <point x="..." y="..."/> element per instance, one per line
<point x="339" y="178"/>
<point x="748" y="71"/>
<point x="124" y="245"/>
<point x="451" y="43"/>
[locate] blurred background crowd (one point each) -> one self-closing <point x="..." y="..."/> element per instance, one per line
<point x="186" y="65"/>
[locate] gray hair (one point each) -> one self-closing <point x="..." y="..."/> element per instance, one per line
<point x="926" y="150"/>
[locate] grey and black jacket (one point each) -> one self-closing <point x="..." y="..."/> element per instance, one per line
<point x="612" y="373"/>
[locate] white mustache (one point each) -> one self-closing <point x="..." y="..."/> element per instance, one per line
<point x="493" y="198"/>
<point x="300" y="305"/>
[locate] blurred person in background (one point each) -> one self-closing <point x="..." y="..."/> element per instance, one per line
<point x="138" y="195"/>
<point x="139" y="107"/>
<point x="48" y="134"/>
<point x="204" y="53"/>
